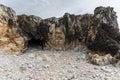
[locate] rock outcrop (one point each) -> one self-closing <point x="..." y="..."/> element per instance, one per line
<point x="98" y="31"/>
<point x="10" y="39"/>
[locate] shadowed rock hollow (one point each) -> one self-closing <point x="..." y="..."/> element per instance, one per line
<point x="98" y="31"/>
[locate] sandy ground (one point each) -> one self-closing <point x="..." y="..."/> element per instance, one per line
<point x="53" y="65"/>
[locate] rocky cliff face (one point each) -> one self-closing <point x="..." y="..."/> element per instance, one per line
<point x="98" y="31"/>
<point x="9" y="38"/>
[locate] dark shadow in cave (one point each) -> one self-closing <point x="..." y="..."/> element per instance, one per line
<point x="36" y="43"/>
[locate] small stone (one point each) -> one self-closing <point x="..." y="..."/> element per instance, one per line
<point x="39" y="58"/>
<point x="70" y="76"/>
<point x="107" y="70"/>
<point x="30" y="66"/>
<point x="22" y="69"/>
<point x="96" y="68"/>
<point x="1" y="71"/>
<point x="46" y="58"/>
<point x="31" y="55"/>
<point x="46" y="66"/>
<point x="107" y="78"/>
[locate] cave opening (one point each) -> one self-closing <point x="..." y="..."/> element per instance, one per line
<point x="36" y="43"/>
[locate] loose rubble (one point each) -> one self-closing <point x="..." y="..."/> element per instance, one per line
<point x="36" y="64"/>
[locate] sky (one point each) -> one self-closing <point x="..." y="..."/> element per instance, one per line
<point x="57" y="8"/>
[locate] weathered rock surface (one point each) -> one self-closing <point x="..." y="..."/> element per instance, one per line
<point x="9" y="38"/>
<point x="98" y="31"/>
<point x="105" y="29"/>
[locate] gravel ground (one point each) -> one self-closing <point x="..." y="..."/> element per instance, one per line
<point x="53" y="65"/>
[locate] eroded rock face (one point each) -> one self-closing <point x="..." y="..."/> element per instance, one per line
<point x="98" y="31"/>
<point x="105" y="29"/>
<point x="9" y="38"/>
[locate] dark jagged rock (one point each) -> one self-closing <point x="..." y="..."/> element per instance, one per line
<point x="107" y="35"/>
<point x="28" y="25"/>
<point x="98" y="31"/>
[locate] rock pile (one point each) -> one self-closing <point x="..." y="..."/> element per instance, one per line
<point x="98" y="31"/>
